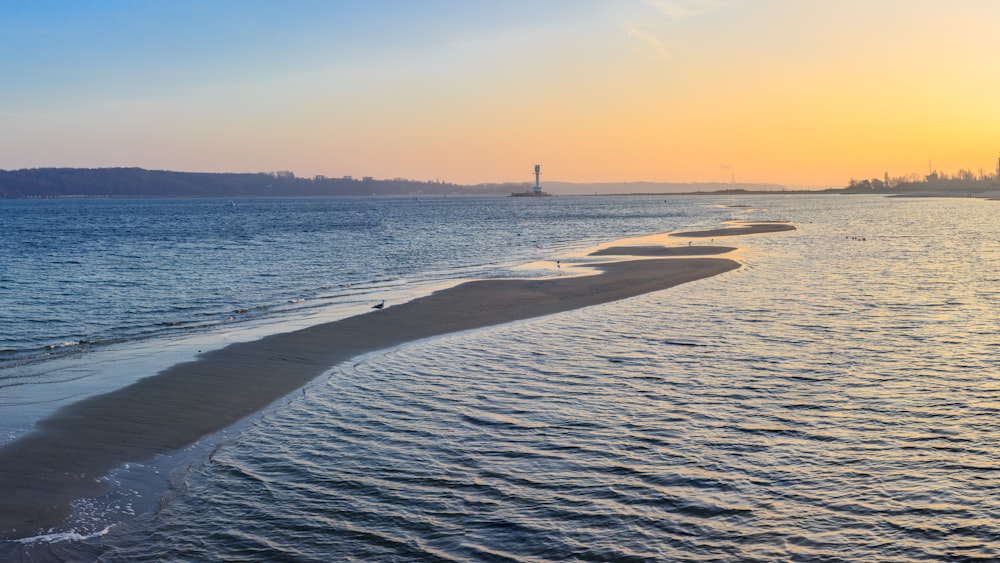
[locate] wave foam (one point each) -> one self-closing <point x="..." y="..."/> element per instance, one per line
<point x="64" y="536"/>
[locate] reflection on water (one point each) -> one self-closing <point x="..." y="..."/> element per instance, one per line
<point x="834" y="400"/>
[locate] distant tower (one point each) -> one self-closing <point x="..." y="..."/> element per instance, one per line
<point x="538" y="186"/>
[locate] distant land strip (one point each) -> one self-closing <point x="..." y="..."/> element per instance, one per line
<point x="139" y="182"/>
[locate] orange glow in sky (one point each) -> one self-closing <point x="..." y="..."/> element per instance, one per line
<point x="788" y="92"/>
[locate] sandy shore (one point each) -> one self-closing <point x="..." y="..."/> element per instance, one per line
<point x="64" y="457"/>
<point x="662" y="251"/>
<point x="739" y="228"/>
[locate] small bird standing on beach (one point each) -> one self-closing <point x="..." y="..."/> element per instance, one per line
<point x="380" y="305"/>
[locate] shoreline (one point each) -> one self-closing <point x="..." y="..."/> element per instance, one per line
<point x="66" y="454"/>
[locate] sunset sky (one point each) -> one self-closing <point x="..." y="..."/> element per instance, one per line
<point x="800" y="93"/>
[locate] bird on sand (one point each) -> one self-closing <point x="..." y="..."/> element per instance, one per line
<point x="380" y="305"/>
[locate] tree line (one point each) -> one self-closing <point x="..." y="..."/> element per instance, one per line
<point x="963" y="180"/>
<point x="138" y="182"/>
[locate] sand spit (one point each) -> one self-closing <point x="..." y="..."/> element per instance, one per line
<point x="662" y="251"/>
<point x="739" y="228"/>
<point x="65" y="456"/>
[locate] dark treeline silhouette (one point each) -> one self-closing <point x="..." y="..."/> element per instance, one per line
<point x="138" y="182"/>
<point x="964" y="181"/>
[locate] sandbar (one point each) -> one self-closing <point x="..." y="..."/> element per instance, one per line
<point x="64" y="457"/>
<point x="753" y="228"/>
<point x="662" y="251"/>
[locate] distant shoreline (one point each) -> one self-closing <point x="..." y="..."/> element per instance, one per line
<point x="66" y="454"/>
<point x="42" y="183"/>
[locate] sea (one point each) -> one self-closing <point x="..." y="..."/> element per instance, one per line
<point x="837" y="398"/>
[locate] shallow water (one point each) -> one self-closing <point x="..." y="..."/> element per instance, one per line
<point x="835" y="399"/>
<point x="90" y="289"/>
<point x="79" y="274"/>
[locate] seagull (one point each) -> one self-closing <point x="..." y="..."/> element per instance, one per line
<point x="380" y="305"/>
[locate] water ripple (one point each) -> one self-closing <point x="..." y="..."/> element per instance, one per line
<point x="836" y="402"/>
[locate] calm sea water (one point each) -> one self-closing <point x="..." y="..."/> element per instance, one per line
<point x="83" y="273"/>
<point x="835" y="399"/>
<point x="129" y="279"/>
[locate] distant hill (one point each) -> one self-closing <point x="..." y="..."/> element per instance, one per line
<point x="138" y="182"/>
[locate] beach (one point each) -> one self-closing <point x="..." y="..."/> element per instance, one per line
<point x="66" y="454"/>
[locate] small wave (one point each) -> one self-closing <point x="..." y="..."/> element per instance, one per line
<point x="683" y="343"/>
<point x="499" y="420"/>
<point x="67" y="344"/>
<point x="710" y="510"/>
<point x="63" y="536"/>
<point x="628" y="359"/>
<point x="786" y="432"/>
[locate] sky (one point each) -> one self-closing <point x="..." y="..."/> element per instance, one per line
<point x="799" y="93"/>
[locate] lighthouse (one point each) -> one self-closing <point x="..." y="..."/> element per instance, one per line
<point x="537" y="190"/>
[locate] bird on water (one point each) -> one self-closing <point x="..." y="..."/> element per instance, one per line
<point x="380" y="305"/>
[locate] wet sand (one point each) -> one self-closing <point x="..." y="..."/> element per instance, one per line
<point x="739" y="228"/>
<point x="64" y="457"/>
<point x="662" y="251"/>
